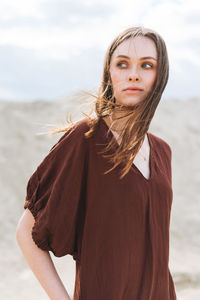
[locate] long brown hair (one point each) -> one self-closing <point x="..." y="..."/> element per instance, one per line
<point x="140" y="114"/>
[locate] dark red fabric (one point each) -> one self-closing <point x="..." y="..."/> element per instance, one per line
<point x="117" y="230"/>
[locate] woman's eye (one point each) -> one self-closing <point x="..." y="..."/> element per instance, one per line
<point x="148" y="64"/>
<point x="145" y="65"/>
<point x="122" y="64"/>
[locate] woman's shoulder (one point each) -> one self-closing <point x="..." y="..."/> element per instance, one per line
<point x="75" y="133"/>
<point x="161" y="143"/>
<point x="77" y="129"/>
<point x="81" y="126"/>
<point x="71" y="145"/>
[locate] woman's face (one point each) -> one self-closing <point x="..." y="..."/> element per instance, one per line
<point x="133" y="65"/>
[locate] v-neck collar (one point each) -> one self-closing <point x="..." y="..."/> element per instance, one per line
<point x="134" y="167"/>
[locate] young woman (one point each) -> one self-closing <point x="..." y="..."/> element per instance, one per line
<point x="103" y="194"/>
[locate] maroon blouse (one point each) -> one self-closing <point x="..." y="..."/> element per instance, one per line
<point x="117" y="230"/>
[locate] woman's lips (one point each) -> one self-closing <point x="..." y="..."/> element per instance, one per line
<point x="133" y="91"/>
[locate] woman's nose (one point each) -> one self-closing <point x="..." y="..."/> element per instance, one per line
<point x="133" y="75"/>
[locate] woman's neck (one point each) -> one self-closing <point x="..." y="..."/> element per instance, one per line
<point x="116" y="121"/>
<point x="116" y="126"/>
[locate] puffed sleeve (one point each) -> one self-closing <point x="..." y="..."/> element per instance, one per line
<point x="56" y="195"/>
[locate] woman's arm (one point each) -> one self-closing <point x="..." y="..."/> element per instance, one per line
<point x="39" y="260"/>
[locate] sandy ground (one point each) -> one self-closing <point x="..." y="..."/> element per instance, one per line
<point x="21" y="150"/>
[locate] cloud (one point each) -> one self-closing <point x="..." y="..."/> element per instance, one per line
<point x="49" y="42"/>
<point x="12" y="10"/>
<point x="53" y="13"/>
<point x="56" y="29"/>
<point x="75" y="13"/>
<point x="48" y="79"/>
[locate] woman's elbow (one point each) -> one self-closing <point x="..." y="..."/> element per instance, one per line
<point x="20" y="231"/>
<point x="24" y="226"/>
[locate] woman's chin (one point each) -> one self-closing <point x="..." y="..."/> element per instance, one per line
<point x="129" y="102"/>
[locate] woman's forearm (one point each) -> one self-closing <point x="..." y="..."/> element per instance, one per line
<point x="39" y="261"/>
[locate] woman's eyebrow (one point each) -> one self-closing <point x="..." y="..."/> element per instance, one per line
<point x="141" y="58"/>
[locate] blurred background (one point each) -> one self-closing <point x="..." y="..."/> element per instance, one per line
<point x="52" y="50"/>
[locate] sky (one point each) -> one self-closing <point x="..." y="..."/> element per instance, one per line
<point x="52" y="48"/>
